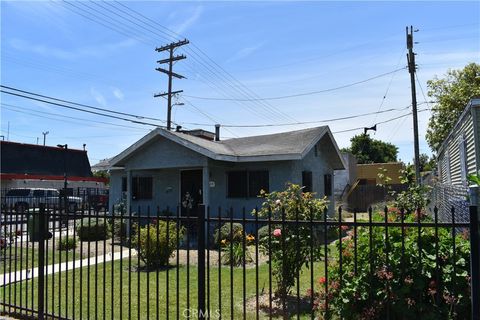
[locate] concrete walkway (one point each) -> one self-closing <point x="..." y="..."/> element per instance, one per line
<point x="28" y="274"/>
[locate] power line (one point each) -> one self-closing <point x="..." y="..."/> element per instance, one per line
<point x="304" y="93"/>
<point x="381" y="122"/>
<point x="43" y="113"/>
<point x="305" y="122"/>
<point x="79" y="109"/>
<point x="81" y="105"/>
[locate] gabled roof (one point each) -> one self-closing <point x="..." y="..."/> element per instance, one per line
<point x="292" y="145"/>
<point x="31" y="159"/>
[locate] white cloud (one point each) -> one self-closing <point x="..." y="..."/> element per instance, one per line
<point x="245" y="52"/>
<point x="118" y="93"/>
<point x="98" y="97"/>
<point x="73" y="53"/>
<point x="187" y="23"/>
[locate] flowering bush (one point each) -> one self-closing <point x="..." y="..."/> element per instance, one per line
<point x="411" y="281"/>
<point x="290" y="244"/>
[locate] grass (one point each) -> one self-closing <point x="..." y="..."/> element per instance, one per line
<point x="134" y="293"/>
<point x="21" y="258"/>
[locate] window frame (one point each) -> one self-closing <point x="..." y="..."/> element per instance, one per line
<point x="246" y="193"/>
<point x="142" y="192"/>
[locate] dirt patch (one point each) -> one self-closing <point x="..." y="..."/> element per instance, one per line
<point x="293" y="305"/>
<point x="192" y="255"/>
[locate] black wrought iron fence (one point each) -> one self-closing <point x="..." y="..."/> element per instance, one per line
<point x="212" y="263"/>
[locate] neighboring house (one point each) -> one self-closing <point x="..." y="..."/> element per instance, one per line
<point x="367" y="174"/>
<point x="172" y="168"/>
<point x="459" y="154"/>
<point x="366" y="190"/>
<point x="35" y="166"/>
<point x="344" y="179"/>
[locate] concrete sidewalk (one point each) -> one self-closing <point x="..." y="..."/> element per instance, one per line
<point x="28" y="274"/>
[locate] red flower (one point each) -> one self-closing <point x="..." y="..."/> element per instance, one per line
<point x="322" y="280"/>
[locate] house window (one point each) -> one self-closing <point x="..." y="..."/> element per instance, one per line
<point x="257" y="180"/>
<point x="124" y="184"/>
<point x="244" y="184"/>
<point x="307" y="181"/>
<point x="327" y="181"/>
<point x="142" y="188"/>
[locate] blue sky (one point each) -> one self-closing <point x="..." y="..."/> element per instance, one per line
<point x="102" y="54"/>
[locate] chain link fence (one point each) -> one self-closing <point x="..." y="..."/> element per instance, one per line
<point x="446" y="196"/>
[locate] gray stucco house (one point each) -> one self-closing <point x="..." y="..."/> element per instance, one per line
<point x="164" y="166"/>
<point x="459" y="154"/>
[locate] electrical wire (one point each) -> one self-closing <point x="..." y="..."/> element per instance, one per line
<point x="82" y="105"/>
<point x="305" y="122"/>
<point x="304" y="93"/>
<point x="381" y="122"/>
<point x="79" y="109"/>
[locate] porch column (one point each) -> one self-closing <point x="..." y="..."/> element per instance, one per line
<point x="206" y="186"/>
<point x="129" y="190"/>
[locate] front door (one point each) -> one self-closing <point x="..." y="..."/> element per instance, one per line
<point x="191" y="191"/>
<point x="190" y="197"/>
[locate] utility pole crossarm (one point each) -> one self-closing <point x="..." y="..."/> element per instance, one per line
<point x="172" y="45"/>
<point x="166" y="93"/>
<point x="173" y="74"/>
<point x="176" y="58"/>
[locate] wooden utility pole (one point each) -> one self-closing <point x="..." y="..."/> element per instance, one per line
<point x="412" y="67"/>
<point x="170" y="60"/>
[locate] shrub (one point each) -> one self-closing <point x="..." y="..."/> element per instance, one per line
<point x="406" y="282"/>
<point x="67" y="243"/>
<point x="290" y="244"/>
<point x="118" y="228"/>
<point x="153" y="247"/>
<point x="226" y="233"/>
<point x="234" y="254"/>
<point x="92" y="229"/>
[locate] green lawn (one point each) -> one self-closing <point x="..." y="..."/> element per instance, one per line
<point x="19" y="258"/>
<point x="85" y="300"/>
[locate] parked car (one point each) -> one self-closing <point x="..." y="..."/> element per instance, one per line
<point x="98" y="201"/>
<point x="22" y="199"/>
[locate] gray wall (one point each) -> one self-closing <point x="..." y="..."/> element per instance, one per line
<point x="347" y="176"/>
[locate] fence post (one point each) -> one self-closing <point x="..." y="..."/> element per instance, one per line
<point x="201" y="261"/>
<point x="41" y="261"/>
<point x="475" y="252"/>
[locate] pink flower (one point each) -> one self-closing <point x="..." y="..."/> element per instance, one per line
<point x="322" y="280"/>
<point x="277" y="233"/>
<point x="344" y="228"/>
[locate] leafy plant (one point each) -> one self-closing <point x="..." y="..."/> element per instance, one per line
<point x="155" y="245"/>
<point x="235" y="253"/>
<point x="229" y="232"/>
<point x="290" y="244"/>
<point x="92" y="229"/>
<point x="414" y="197"/>
<point x="404" y="277"/>
<point x="473" y="179"/>
<point x="67" y="243"/>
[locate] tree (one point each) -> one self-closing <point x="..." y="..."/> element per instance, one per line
<point x="451" y="95"/>
<point x="426" y="163"/>
<point x="368" y="150"/>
